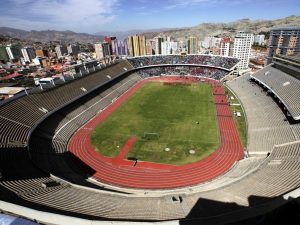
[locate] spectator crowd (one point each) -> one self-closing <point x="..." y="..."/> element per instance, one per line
<point x="209" y="72"/>
<point x="205" y="60"/>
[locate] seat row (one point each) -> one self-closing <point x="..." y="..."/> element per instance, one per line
<point x="267" y="124"/>
<point x="285" y="86"/>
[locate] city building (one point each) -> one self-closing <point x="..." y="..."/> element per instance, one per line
<point x="102" y="50"/>
<point x="14" y="52"/>
<point x="158" y="45"/>
<point x="119" y="48"/>
<point x="106" y="49"/>
<point x="110" y="40"/>
<point x="3" y="54"/>
<point x="193" y="45"/>
<point x="168" y="47"/>
<point x="242" y="49"/>
<point x="28" y="54"/>
<point x="283" y="41"/>
<point x="41" y="53"/>
<point x="73" y="50"/>
<point x="211" y="42"/>
<point x="182" y="46"/>
<point x="225" y="47"/>
<point x="137" y="45"/>
<point x="99" y="51"/>
<point x="149" y="47"/>
<point x="259" y="39"/>
<point x="61" y="51"/>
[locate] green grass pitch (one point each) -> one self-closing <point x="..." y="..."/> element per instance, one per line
<point x="170" y="111"/>
<point x="240" y="122"/>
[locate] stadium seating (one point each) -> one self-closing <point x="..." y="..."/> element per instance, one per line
<point x="206" y="60"/>
<point x="267" y="125"/>
<point x="213" y="73"/>
<point x="28" y="110"/>
<point x="283" y="86"/>
<point x="74" y="104"/>
<point x="10" y="136"/>
<point x="61" y="126"/>
<point x="277" y="174"/>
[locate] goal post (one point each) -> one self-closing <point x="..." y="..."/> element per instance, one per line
<point x="151" y="136"/>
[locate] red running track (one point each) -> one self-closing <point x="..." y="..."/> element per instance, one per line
<point x="124" y="151"/>
<point x="149" y="175"/>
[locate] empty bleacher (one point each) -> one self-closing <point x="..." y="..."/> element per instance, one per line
<point x="284" y="86"/>
<point x="274" y="177"/>
<point x="60" y="127"/>
<point x="267" y="124"/>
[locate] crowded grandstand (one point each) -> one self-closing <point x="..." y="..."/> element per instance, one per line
<point x="45" y="168"/>
<point x="207" y="60"/>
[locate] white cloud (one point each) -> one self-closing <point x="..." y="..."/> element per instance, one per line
<point x="78" y="15"/>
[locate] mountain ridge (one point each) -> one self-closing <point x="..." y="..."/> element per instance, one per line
<point x="64" y="37"/>
<point x="202" y="30"/>
<point x="229" y="29"/>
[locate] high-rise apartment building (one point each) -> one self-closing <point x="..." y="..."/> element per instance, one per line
<point x="193" y="45"/>
<point x="137" y="45"/>
<point x="150" y="46"/>
<point x="225" y="47"/>
<point x="102" y="50"/>
<point x="110" y="40"/>
<point x="14" y="52"/>
<point x="61" y="51"/>
<point x="99" y="51"/>
<point x="41" y="53"/>
<point x="28" y="54"/>
<point x="242" y="49"/>
<point x="211" y="42"/>
<point x="283" y="41"/>
<point x="73" y="50"/>
<point x="3" y="54"/>
<point x="106" y="49"/>
<point x="119" y="48"/>
<point x="168" y="47"/>
<point x="158" y="45"/>
<point x="259" y="39"/>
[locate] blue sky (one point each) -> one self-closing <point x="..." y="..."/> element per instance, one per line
<point x="93" y="16"/>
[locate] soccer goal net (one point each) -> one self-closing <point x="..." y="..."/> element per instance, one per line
<point x="151" y="136"/>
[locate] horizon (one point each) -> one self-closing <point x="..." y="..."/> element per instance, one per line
<point x="101" y="17"/>
<point x="157" y="28"/>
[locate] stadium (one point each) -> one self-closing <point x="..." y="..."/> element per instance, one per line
<point x="172" y="139"/>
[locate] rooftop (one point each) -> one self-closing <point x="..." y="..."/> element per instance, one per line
<point x="11" y="90"/>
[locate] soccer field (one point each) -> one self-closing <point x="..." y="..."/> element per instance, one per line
<point x="172" y="112"/>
